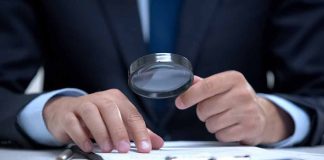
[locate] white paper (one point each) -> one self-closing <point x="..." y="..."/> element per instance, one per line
<point x="206" y="150"/>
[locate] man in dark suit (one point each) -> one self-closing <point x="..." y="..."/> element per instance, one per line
<point x="88" y="46"/>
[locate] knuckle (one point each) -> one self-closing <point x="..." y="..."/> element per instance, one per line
<point x="244" y="96"/>
<point x="98" y="94"/>
<point x="243" y="93"/>
<point x="237" y="75"/>
<point x="87" y="108"/>
<point x="140" y="133"/>
<point x="108" y="103"/>
<point x="207" y="85"/>
<point x="107" y="100"/>
<point x="69" y="120"/>
<point x="116" y="92"/>
<point x="134" y="117"/>
<point x="120" y="132"/>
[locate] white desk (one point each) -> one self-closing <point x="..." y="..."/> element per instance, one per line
<point x="14" y="154"/>
<point x="316" y="149"/>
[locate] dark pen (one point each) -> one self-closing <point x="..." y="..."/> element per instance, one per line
<point x="90" y="155"/>
<point x="74" y="149"/>
<point x="65" y="155"/>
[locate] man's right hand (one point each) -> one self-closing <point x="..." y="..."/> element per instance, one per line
<point x="108" y="117"/>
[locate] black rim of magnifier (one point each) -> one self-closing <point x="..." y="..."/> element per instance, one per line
<point x="152" y="59"/>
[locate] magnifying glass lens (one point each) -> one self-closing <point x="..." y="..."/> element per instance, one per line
<point x="161" y="79"/>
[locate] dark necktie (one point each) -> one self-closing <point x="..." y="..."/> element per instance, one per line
<point x="164" y="16"/>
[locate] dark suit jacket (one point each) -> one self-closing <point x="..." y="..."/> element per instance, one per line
<point x="89" y="44"/>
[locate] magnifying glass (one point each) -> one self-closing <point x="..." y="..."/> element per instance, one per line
<point x="160" y="75"/>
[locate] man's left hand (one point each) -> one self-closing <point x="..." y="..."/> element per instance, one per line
<point x="232" y="111"/>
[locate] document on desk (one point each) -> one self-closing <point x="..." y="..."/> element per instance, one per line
<point x="209" y="151"/>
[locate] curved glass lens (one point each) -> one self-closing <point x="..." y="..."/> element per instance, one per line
<point x="160" y="79"/>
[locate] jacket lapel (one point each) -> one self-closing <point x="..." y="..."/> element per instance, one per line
<point x="123" y="16"/>
<point x="194" y="21"/>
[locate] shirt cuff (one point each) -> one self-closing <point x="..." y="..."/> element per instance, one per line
<point x="300" y="117"/>
<point x="31" y="119"/>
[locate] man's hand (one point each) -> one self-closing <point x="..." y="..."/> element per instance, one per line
<point x="233" y="112"/>
<point x="108" y="117"/>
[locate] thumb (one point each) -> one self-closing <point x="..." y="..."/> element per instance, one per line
<point x="156" y="140"/>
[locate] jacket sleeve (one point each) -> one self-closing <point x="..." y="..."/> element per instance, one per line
<point x="19" y="61"/>
<point x="296" y="57"/>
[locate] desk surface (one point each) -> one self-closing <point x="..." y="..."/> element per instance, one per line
<point x="16" y="154"/>
<point x="316" y="149"/>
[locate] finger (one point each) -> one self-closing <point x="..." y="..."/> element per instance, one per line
<point x="91" y="117"/>
<point x="157" y="141"/>
<point x="137" y="128"/>
<point x="134" y="122"/>
<point x="221" y="121"/>
<point x="215" y="105"/>
<point x="197" y="79"/>
<point x="213" y="85"/>
<point x="74" y="129"/>
<point x="135" y="125"/>
<point x="116" y="128"/>
<point x="234" y="133"/>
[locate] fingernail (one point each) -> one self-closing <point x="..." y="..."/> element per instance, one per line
<point x="87" y="146"/>
<point x="179" y="103"/>
<point x="106" y="147"/>
<point x="123" y="146"/>
<point x="146" y="146"/>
